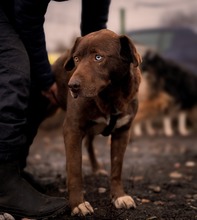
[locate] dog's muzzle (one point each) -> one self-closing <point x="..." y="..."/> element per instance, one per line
<point x="74" y="89"/>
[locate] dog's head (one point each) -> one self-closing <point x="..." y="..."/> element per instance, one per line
<point x="97" y="60"/>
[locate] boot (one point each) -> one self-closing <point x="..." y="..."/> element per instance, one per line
<point x="20" y="199"/>
<point x="35" y="183"/>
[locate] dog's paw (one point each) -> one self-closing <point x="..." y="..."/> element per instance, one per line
<point x="83" y="209"/>
<point x="124" y="202"/>
<point x="101" y="172"/>
<point x="184" y="132"/>
<point x="6" y="216"/>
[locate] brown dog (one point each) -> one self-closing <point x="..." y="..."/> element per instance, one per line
<point x="103" y="77"/>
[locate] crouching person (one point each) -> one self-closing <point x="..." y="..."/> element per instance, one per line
<point x="27" y="88"/>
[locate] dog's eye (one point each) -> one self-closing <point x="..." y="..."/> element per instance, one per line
<point x="76" y="59"/>
<point x="98" y="57"/>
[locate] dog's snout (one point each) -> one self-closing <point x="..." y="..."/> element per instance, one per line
<point x="74" y="85"/>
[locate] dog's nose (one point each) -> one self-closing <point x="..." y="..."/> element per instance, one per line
<point x="74" y="88"/>
<point x="74" y="85"/>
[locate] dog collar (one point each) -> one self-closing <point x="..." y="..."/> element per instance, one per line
<point x="108" y="129"/>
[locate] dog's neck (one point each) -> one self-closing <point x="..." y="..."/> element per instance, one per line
<point x="113" y="99"/>
<point x="120" y="85"/>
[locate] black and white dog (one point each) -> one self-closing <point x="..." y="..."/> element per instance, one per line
<point x="166" y="76"/>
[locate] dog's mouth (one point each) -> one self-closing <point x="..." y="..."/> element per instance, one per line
<point x="78" y="93"/>
<point x="74" y="93"/>
<point x="88" y="92"/>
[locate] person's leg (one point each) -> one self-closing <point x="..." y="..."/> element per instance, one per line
<point x="37" y="111"/>
<point x="17" y="196"/>
<point x="94" y="15"/>
<point x="14" y="92"/>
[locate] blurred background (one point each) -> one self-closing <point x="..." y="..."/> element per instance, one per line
<point x="63" y="18"/>
<point x="168" y="28"/>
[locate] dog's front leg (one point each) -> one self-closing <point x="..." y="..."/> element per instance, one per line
<point x="73" y="142"/>
<point x="118" y="146"/>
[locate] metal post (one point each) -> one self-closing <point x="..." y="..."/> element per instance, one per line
<point x="122" y="21"/>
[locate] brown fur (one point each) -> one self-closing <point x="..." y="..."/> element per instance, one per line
<point x="101" y="72"/>
<point x="153" y="105"/>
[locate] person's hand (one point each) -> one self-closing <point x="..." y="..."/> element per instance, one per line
<point x="51" y="94"/>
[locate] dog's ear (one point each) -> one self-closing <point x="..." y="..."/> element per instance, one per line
<point x="128" y="51"/>
<point x="69" y="63"/>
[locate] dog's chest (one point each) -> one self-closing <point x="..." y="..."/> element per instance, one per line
<point x="109" y="114"/>
<point x="105" y="125"/>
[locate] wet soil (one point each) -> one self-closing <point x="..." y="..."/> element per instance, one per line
<point x="160" y="173"/>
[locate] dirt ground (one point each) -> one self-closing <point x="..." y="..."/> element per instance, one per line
<point x="160" y="173"/>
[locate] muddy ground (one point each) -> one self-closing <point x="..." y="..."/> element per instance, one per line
<point x="160" y="173"/>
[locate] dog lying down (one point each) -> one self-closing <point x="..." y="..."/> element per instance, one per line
<point x="98" y="83"/>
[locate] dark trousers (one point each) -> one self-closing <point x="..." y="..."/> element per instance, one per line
<point x="22" y="107"/>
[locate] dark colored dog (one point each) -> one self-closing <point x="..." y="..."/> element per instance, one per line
<point x="103" y="77"/>
<point x="169" y="77"/>
<point x="178" y="82"/>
